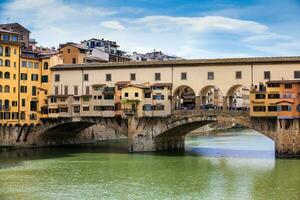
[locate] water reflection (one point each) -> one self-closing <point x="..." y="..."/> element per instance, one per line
<point x="225" y="166"/>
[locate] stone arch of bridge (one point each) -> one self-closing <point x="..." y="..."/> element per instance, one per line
<point x="238" y="96"/>
<point x="188" y="124"/>
<point x="184" y="97"/>
<point x="211" y="95"/>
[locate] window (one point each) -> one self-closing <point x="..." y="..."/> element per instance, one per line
<point x="1" y="50"/>
<point x="63" y="109"/>
<point x="259" y="108"/>
<point x="33" y="106"/>
<point x="183" y="76"/>
<point x="7" y="63"/>
<point x="46" y="65"/>
<point x="66" y="90"/>
<point x="87" y="90"/>
<point x="36" y="65"/>
<point x="7" y="51"/>
<point x="76" y="109"/>
<point x="14" y="38"/>
<point x="267" y="75"/>
<point x="85" y="108"/>
<point x="288" y="86"/>
<point x="23" y="89"/>
<point x="260" y="96"/>
<point x="126" y="94"/>
<point x="136" y="94"/>
<point x="272" y="108"/>
<point x="147" y="107"/>
<point x="298" y="107"/>
<point x="86" y="99"/>
<point x="158" y="107"/>
<point x="108" y="77"/>
<point x="273" y="96"/>
<point x="86" y="77"/>
<point x="23" y="103"/>
<point x="7" y="75"/>
<point x="75" y="90"/>
<point x="238" y="75"/>
<point x="14" y="103"/>
<point x="157" y="76"/>
<point x="5" y="37"/>
<point x="1" y="61"/>
<point x="158" y="96"/>
<point x="29" y="64"/>
<point x="132" y="77"/>
<point x="69" y="50"/>
<point x="33" y="91"/>
<point x="109" y="97"/>
<point x="6" y="89"/>
<point x="34" y="77"/>
<point x="296" y="74"/>
<point x="210" y="75"/>
<point x="44" y="79"/>
<point x="147" y="95"/>
<point x="286" y="108"/>
<point x="57" y="78"/>
<point x="24" y="64"/>
<point x="74" y="60"/>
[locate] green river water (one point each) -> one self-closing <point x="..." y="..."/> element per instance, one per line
<point x="237" y="164"/>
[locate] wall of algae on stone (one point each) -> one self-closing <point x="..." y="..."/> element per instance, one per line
<point x="287" y="138"/>
<point x="18" y="136"/>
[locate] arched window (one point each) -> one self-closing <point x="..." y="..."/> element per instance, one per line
<point x="1" y="75"/>
<point x="6" y="104"/>
<point x="1" y="61"/>
<point x="6" y="89"/>
<point x="7" y="75"/>
<point x="7" y="63"/>
<point x="46" y="65"/>
<point x="7" y="51"/>
<point x="1" y="51"/>
<point x="1" y="88"/>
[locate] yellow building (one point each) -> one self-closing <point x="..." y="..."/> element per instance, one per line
<point x="73" y="53"/>
<point x="263" y="100"/>
<point x="9" y="76"/>
<point x="35" y="83"/>
<point x="24" y="81"/>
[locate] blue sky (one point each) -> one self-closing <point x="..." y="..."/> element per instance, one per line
<point x="190" y="29"/>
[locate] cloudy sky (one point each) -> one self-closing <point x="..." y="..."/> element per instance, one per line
<point x="186" y="28"/>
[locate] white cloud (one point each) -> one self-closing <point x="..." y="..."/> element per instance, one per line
<point x="201" y="24"/>
<point x="114" y="25"/>
<point x="56" y="21"/>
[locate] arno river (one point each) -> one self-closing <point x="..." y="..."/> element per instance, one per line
<point x="237" y="164"/>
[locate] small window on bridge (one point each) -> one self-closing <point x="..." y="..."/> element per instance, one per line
<point x="260" y="96"/>
<point x="210" y="75"/>
<point x="272" y="108"/>
<point x="238" y="75"/>
<point x="259" y="108"/>
<point x="273" y="96"/>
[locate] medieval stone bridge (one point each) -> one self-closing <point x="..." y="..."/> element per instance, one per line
<point x="150" y="133"/>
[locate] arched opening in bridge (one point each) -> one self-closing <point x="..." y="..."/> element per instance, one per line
<point x="211" y="97"/>
<point x="184" y="98"/>
<point x="238" y="97"/>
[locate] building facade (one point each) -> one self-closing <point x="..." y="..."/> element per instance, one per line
<point x="187" y="83"/>
<point x="277" y="98"/>
<point x="24" y="80"/>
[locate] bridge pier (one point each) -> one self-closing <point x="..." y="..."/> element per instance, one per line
<point x="287" y="138"/>
<point x="143" y="135"/>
